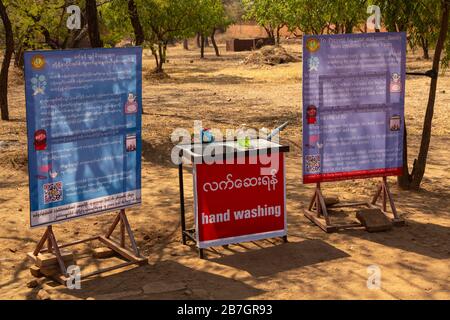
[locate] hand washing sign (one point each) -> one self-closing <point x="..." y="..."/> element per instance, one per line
<point x="236" y="203"/>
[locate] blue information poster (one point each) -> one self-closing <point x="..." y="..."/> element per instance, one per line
<point x="353" y="106"/>
<point x="84" y="132"/>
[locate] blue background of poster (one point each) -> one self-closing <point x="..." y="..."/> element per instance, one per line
<point x="355" y="83"/>
<point x="89" y="103"/>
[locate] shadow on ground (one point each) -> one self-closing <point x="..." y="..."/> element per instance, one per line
<point x="271" y="260"/>
<point x="165" y="280"/>
<point x="427" y="239"/>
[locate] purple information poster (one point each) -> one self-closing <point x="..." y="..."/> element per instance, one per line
<point x="353" y="106"/>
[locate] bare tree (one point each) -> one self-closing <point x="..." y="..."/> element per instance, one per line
<point x="6" y="62"/>
<point x="135" y="22"/>
<point x="413" y="180"/>
<point x="92" y="21"/>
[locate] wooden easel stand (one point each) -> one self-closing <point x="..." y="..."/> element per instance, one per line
<point x="133" y="256"/>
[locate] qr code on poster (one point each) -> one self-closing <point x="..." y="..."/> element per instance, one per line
<point x="53" y="192"/>
<point x="313" y="163"/>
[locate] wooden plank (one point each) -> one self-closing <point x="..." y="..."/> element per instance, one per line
<point x="348" y="226"/>
<point x="130" y="232"/>
<point x="112" y="268"/>
<point x="384" y="194"/>
<point x="312" y="201"/>
<point x="122" y="234"/>
<point x="318" y="208"/>
<point x="61" y="279"/>
<point x="113" y="226"/>
<point x="377" y="194"/>
<point x="311" y="216"/>
<point x="36" y="271"/>
<point x="41" y="242"/>
<point x="122" y="251"/>
<point x="57" y="252"/>
<point x="49" y="245"/>
<point x="61" y="246"/>
<point x="391" y="201"/>
<point x="350" y="204"/>
<point x="103" y="253"/>
<point x="323" y="208"/>
<point x="31" y="257"/>
<point x="50" y="259"/>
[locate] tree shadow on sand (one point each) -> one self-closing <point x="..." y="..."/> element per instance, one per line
<point x="275" y="259"/>
<point x="164" y="280"/>
<point x="427" y="239"/>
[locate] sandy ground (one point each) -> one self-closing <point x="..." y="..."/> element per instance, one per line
<point x="414" y="260"/>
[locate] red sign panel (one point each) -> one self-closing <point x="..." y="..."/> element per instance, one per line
<point x="240" y="202"/>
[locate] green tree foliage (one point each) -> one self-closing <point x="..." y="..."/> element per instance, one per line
<point x="234" y="10"/>
<point x="272" y="15"/>
<point x="211" y="16"/>
<point x="310" y="17"/>
<point x="41" y="24"/>
<point x="347" y="15"/>
<point x="165" y="21"/>
<point x="114" y="17"/>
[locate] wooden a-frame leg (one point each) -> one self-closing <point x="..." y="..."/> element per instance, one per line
<point x="130" y="232"/>
<point x="322" y="206"/>
<point x="60" y="260"/>
<point x="124" y="226"/>
<point x="391" y="200"/>
<point x="377" y="195"/>
<point x="122" y="234"/>
<point x="313" y="201"/>
<point x="113" y="226"/>
<point x="41" y="242"/>
<point x="324" y="210"/>
<point x="317" y="209"/>
<point x="49" y="246"/>
<point x="384" y="194"/>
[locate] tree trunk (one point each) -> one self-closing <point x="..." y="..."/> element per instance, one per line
<point x="213" y="40"/>
<point x="186" y="44"/>
<point x="278" y="35"/>
<point x="424" y="44"/>
<point x="136" y="23"/>
<point x="202" y="46"/>
<point x="270" y="33"/>
<point x="155" y="54"/>
<point x="159" y="67"/>
<point x="198" y="40"/>
<point x="19" y="58"/>
<point x="420" y="165"/>
<point x="404" y="181"/>
<point x="92" y="20"/>
<point x="6" y="62"/>
<point x="348" y="27"/>
<point x="78" y="37"/>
